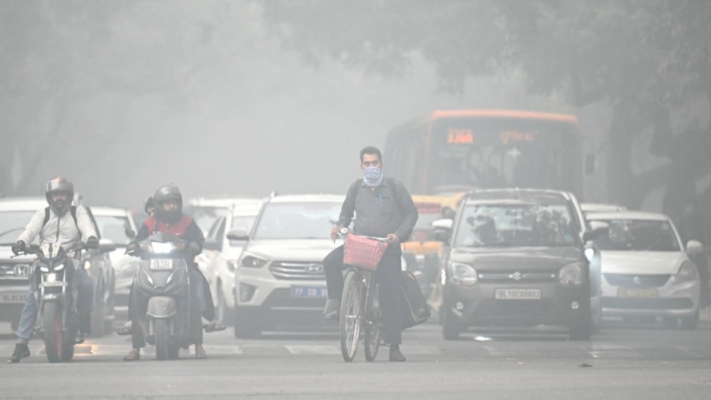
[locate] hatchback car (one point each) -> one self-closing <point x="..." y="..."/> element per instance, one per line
<point x="279" y="278"/>
<point x="517" y="257"/>
<point x="647" y="271"/>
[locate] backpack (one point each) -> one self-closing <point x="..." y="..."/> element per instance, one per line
<point x="72" y="211"/>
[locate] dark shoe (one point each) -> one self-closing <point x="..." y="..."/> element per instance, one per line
<point x="133" y="355"/>
<point x="21" y="351"/>
<point x="333" y="306"/>
<point x="124" y="331"/>
<point x="396" y="356"/>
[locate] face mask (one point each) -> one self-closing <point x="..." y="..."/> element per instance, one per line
<point x="373" y="176"/>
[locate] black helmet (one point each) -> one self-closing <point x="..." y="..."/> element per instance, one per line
<point x="166" y="194"/>
<point x="59" y="185"/>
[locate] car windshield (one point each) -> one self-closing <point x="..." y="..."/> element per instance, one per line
<point x="515" y="225"/>
<point x="114" y="228"/>
<point x="639" y="235"/>
<point x="312" y="220"/>
<point x="12" y="223"/>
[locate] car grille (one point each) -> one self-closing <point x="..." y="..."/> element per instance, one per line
<point x="295" y="271"/>
<point x="647" y="304"/>
<point x="514" y="309"/>
<point x="637" y="281"/>
<point x="15" y="271"/>
<point x="496" y="276"/>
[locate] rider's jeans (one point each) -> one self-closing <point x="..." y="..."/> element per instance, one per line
<point x="28" y="318"/>
<point x="388" y="274"/>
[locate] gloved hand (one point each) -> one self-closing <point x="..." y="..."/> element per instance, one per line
<point x="194" y="248"/>
<point x="92" y="243"/>
<point x="19" y="247"/>
<point x="132" y="248"/>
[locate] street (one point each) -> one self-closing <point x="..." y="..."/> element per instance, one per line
<point x="644" y="361"/>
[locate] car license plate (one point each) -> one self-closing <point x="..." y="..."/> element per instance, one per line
<point x="309" y="292"/>
<point x="161" y="265"/>
<point x="517" y="294"/>
<point x="12" y="298"/>
<point x="638" y="293"/>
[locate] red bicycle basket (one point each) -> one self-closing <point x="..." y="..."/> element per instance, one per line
<point x="363" y="252"/>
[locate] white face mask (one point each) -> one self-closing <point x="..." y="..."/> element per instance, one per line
<point x="373" y="176"/>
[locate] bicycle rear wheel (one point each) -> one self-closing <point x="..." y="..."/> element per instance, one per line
<point x="374" y="323"/>
<point x="351" y="314"/>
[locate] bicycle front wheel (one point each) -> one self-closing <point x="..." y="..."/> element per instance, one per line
<point x="351" y="315"/>
<point x="374" y="324"/>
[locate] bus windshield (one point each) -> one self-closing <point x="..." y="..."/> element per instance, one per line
<point x="494" y="152"/>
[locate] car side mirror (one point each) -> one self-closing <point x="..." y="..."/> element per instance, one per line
<point x="694" y="248"/>
<point x="211" y="245"/>
<point x="238" y="235"/>
<point x="442" y="229"/>
<point x="590" y="164"/>
<point x="130" y="233"/>
<point x="106" y="246"/>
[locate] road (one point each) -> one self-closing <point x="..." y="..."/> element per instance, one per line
<point x="630" y="362"/>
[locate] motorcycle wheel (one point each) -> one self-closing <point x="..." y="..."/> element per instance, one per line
<point x="173" y="351"/>
<point x="161" y="338"/>
<point x="53" y="335"/>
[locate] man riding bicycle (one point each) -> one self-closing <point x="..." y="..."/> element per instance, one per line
<point x="385" y="209"/>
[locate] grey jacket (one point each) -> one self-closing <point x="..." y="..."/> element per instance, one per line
<point x="59" y="229"/>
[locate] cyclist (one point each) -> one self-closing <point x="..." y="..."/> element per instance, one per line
<point x="385" y="209"/>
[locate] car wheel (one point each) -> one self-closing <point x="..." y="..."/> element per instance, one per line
<point x="690" y="323"/>
<point x="451" y="329"/>
<point x="670" y="322"/>
<point x="246" y="326"/>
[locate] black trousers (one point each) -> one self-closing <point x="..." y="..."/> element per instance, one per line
<point x="388" y="275"/>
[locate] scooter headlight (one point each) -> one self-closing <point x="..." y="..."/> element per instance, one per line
<point x="60" y="267"/>
<point x="162" y="248"/>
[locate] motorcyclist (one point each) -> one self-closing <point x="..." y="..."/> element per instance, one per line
<point x="168" y="217"/>
<point x="60" y="222"/>
<point x="384" y="208"/>
<point x="693" y="225"/>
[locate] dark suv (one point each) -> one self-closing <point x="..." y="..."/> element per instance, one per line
<point x="517" y="257"/>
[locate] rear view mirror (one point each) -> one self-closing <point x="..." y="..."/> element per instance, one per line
<point x="238" y="235"/>
<point x="106" y="246"/>
<point x="694" y="248"/>
<point x="590" y="164"/>
<point x="442" y="229"/>
<point x="211" y="245"/>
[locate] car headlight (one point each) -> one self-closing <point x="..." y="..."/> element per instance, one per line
<point x="462" y="274"/>
<point x="571" y="274"/>
<point x="251" y="261"/>
<point x="687" y="273"/>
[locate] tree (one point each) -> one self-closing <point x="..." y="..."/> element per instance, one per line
<point x="648" y="59"/>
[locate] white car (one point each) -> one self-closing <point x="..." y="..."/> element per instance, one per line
<point x="279" y="277"/>
<point x="206" y="210"/>
<point x="117" y="225"/>
<point x="219" y="258"/>
<point x="646" y="269"/>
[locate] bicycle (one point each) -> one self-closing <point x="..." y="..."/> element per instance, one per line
<point x="360" y="312"/>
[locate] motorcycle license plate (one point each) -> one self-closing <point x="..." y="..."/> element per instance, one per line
<point x="161" y="265"/>
<point x="309" y="292"/>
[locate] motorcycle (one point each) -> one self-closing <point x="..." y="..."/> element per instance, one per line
<point x="56" y="281"/>
<point x="163" y="279"/>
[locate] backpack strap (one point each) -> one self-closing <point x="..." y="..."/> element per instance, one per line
<point x="46" y="217"/>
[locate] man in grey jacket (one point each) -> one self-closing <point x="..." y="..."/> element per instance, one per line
<point x="59" y="223"/>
